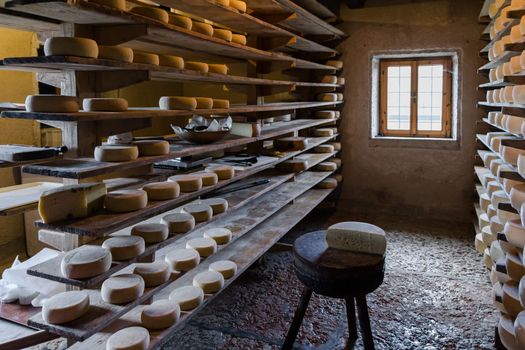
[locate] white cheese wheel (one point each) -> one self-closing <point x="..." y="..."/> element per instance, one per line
<point x="507" y="333"/>
<point x="223" y="34"/>
<point x="204" y="102"/>
<point x="478" y="244"/>
<point x="329" y="79"/>
<point x="518" y="94"/>
<point x="336" y="145"/>
<point x="515" y="233"/>
<point x="325" y="114"/>
<point x="218" y="68"/>
<point x="202" y="28"/>
<point x="341" y="81"/>
<point x="116" y="153"/>
<point x="323" y="132"/>
<point x="337" y="161"/>
<point x="484" y="201"/>
<point x="238" y="5"/>
<point x="326" y="148"/>
<point x="198" y="66"/>
<point x="85" y="262"/>
<point x="221" y="103"/>
<point x="326" y="166"/>
<point x="180" y="21"/>
<point x="327" y="183"/>
<point x="357" y="237"/>
<point x="178" y="102"/>
<point x="239" y="39"/>
<point x="67" y="46"/>
<point x="154" y="273"/>
<point x="328" y="97"/>
<point x="187" y="183"/>
<point x="492" y="116"/>
<point x="490" y="96"/>
<point x="117" y="53"/>
<point x="118" y="4"/>
<point x="483" y="220"/>
<point x="124" y="247"/>
<point x="209" y="281"/>
<point x="224" y="172"/>
<point x="178" y="222"/>
<point x="510" y="154"/>
<point x="160" y="314"/>
<point x="171" y="61"/>
<point x="515" y="65"/>
<point x="505" y="215"/>
<point x="517" y="196"/>
<point x="201" y="212"/>
<point x="105" y="104"/>
<point x="499" y="72"/>
<point x="65" y="307"/>
<point x="493" y="186"/>
<point x="288" y="144"/>
<point x="145" y="58"/>
<point x="208" y="179"/>
<point x="226" y="268"/>
<point x="519" y="329"/>
<point x="52" y="104"/>
<point x="514" y="265"/>
<point x="157" y="14"/>
<point x="492" y="75"/>
<point x="491" y="212"/>
<point x="507" y="94"/>
<point x="152" y="147"/>
<point x="511" y="299"/>
<point x="335" y="63"/>
<point x="183" y="259"/>
<point x="162" y="191"/>
<point x="487" y="260"/>
<point x="293" y="165"/>
<point x="218" y="205"/>
<point x="204" y="246"/>
<point x="123" y="201"/>
<point x="220" y="235"/>
<point x="131" y="338"/>
<point x="496" y="226"/>
<point x="514" y="124"/>
<point x="338" y="178"/>
<point x="122" y="289"/>
<point x="151" y="232"/>
<point x="187" y="297"/>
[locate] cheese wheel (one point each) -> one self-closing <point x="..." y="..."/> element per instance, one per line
<point x="223" y="2"/>
<point x="178" y="102"/>
<point x="178" y="222"/>
<point x="198" y="66"/>
<point x="105" y="104"/>
<point x="221" y="103"/>
<point x="117" y="53"/>
<point x="487" y="236"/>
<point x="122" y="289"/>
<point x="293" y="165"/>
<point x="492" y="75"/>
<point x="204" y="246"/>
<point x="483" y="220"/>
<point x="203" y="28"/>
<point x="171" y="61"/>
<point x="154" y="273"/>
<point x="116" y="153"/>
<point x="239" y="39"/>
<point x="478" y="244"/>
<point x="123" y="201"/>
<point x="65" y="307"/>
<point x="151" y="232"/>
<point x="66" y="46"/>
<point x="155" y="13"/>
<point x="336" y="145"/>
<point x="499" y="73"/>
<point x="218" y="205"/>
<point x="484" y="201"/>
<point x="85" y="262"/>
<point x="118" y="4"/>
<point x="183" y="259"/>
<point x="517" y="196"/>
<point x="325" y="114"/>
<point x="511" y="299"/>
<point x="518" y="94"/>
<point x="220" y="235"/>
<point x="209" y="281"/>
<point x="490" y="96"/>
<point x="224" y="172"/>
<point x="340" y="96"/>
<point x="328" y="97"/>
<point x="326" y="148"/>
<point x="290" y="144"/>
<point x="514" y="266"/>
<point x="519" y="329"/>
<point x="514" y="124"/>
<point x="515" y="65"/>
<point x="238" y="5"/>
<point x="51" y="104"/>
<point x="152" y="147"/>
<point x="496" y="226"/>
<point x="187" y="183"/>
<point x="357" y="237"/>
<point x="326" y="166"/>
<point x="493" y="186"/>
<point x="204" y="102"/>
<point x="327" y="184"/>
<point x="323" y="132"/>
<point x="131" y="338"/>
<point x="124" y="247"/>
<point x="201" y="212"/>
<point x="226" y="268"/>
<point x="160" y="314"/>
<point x="145" y="58"/>
<point x="223" y="34"/>
<point x="491" y="212"/>
<point x="338" y="178"/>
<point x="507" y="332"/>
<point x="487" y="260"/>
<point x="218" y="68"/>
<point x="208" y="179"/>
<point x="341" y="81"/>
<point x="507" y="94"/>
<point x="337" y="161"/>
<point x="515" y="233"/>
<point x="187" y="297"/>
<point x="180" y="21"/>
<point x="329" y="79"/>
<point x="335" y="63"/>
<point x="162" y="191"/>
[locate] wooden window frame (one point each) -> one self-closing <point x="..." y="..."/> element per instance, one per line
<point x="414" y="63"/>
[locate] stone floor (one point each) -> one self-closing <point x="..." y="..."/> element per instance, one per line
<point x="436" y="295"/>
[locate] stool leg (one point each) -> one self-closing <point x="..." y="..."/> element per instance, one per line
<point x="364" y="322"/>
<point x="350" y="315"/>
<point x="297" y="319"/>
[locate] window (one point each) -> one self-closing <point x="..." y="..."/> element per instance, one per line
<point x="415" y="97"/>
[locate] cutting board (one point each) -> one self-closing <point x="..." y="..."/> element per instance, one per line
<point x="18" y="153"/>
<point x="25" y="194"/>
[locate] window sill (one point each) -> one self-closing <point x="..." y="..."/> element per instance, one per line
<point x="414" y="142"/>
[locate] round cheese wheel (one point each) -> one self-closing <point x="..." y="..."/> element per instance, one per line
<point x="145" y="58"/>
<point x="335" y="63"/>
<point x="327" y="183"/>
<point x="238" y="5"/>
<point x="221" y="103"/>
<point x="496" y="226"/>
<point x="204" y="102"/>
<point x="220" y="235"/>
<point x="131" y="338"/>
<point x="518" y="94"/>
<point x="151" y="232"/>
<point x="118" y="4"/>
<point x="519" y="329"/>
<point x="337" y="161"/>
<point x="205" y="246"/>
<point x="325" y="114"/>
<point x="51" y="104"/>
<point x="491" y="212"/>
<point x="511" y="299"/>
<point x="218" y="68"/>
<point x="487" y="236"/>
<point x="341" y="81"/>
<point x="178" y="102"/>
<point x="226" y="268"/>
<point x="187" y="297"/>
<point x="65" y="307"/>
<point x="154" y="273"/>
<point x="338" y="178"/>
<point x="323" y="132"/>
<point x="209" y="281"/>
<point x="198" y="66"/>
<point x="223" y="34"/>
<point x="152" y="147"/>
<point x="183" y="259"/>
<point x="224" y="172"/>
<point x="117" y="53"/>
<point x="326" y="166"/>
<point x="329" y="79"/>
<point x="123" y="201"/>
<point x="515" y="233"/>
<point x="67" y="46"/>
<point x="162" y="191"/>
<point x="218" y="205"/>
<point x="239" y="39"/>
<point x="105" y="104"/>
<point x="336" y="145"/>
<point x="290" y="143"/>
<point x="483" y="220"/>
<point x="180" y="21"/>
<point x="171" y="61"/>
<point x="187" y="183"/>
<point x="517" y="196"/>
<point x="507" y="332"/>
<point x="293" y="165"/>
<point x="201" y="212"/>
<point x="492" y="75"/>
<point x="157" y="14"/>
<point x="327" y="148"/>
<point x="329" y="97"/>
<point x="514" y="124"/>
<point x="178" y="222"/>
<point x="514" y="265"/>
<point x="487" y="260"/>
<point x="124" y="247"/>
<point x="116" y="153"/>
<point x="340" y="96"/>
<point x="122" y="289"/>
<point x="208" y="179"/>
<point x="202" y="28"/>
<point x="160" y="314"/>
<point x="85" y="262"/>
<point x="479" y="244"/>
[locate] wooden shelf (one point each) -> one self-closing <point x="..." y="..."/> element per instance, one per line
<point x="494" y="85"/>
<point x="505" y="57"/>
<point x="27" y="22"/>
<point x="486" y="120"/>
<point x="516" y="14"/>
<point x="317" y="9"/>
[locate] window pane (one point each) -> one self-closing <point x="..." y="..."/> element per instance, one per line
<point x="393" y="84"/>
<point x="425" y="71"/>
<point x="424" y="84"/>
<point x="398" y="98"/>
<point x="430" y="97"/>
<point x="393" y="71"/>
<point x="404" y="84"/>
<point x="405" y="71"/>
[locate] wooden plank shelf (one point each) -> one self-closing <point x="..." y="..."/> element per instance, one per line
<point x="27" y="22"/>
<point x="505" y="57"/>
<point x="494" y="85"/>
<point x="517" y="79"/>
<point x="516" y="14"/>
<point x="317" y="9"/>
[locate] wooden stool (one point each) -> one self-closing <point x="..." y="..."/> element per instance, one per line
<point x="338" y="274"/>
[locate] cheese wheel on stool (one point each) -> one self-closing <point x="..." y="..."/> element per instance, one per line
<point x="162" y="191"/>
<point x="218" y="205"/>
<point x="145" y="58"/>
<point x="66" y="46"/>
<point x="160" y="314"/>
<point x="238" y="5"/>
<point x="183" y="259"/>
<point x="105" y="104"/>
<point x="203" y="28"/>
<point x="85" y="262"/>
<point x="198" y="66"/>
<point x="178" y="222"/>
<point x="204" y="102"/>
<point x="118" y="4"/>
<point x="219" y="234"/>
<point x="151" y="232"/>
<point x="157" y="14"/>
<point x="293" y="143"/>
<point x="122" y="289"/>
<point x="180" y="21"/>
<point x="187" y="183"/>
<point x="239" y="39"/>
<point x="188" y="297"/>
<point x="224" y="172"/>
<point x="209" y="281"/>
<point x="51" y="104"/>
<point x="123" y="201"/>
<point x="201" y="212"/>
<point x="65" y="307"/>
<point x="117" y="53"/>
<point x="152" y="147"/>
<point x="116" y="153"/>
<point x="177" y="102"/>
<point x="327" y="183"/>
<point x="153" y="273"/>
<point x="326" y="148"/>
<point x="131" y="338"/>
<point x="124" y="247"/>
<point x="357" y="237"/>
<point x="218" y="68"/>
<point x="221" y="103"/>
<point x="171" y="61"/>
<point x="205" y="246"/>
<point x="226" y="268"/>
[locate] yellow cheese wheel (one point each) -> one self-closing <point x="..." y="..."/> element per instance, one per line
<point x="204" y="102"/>
<point x="171" y="61"/>
<point x="152" y="147"/>
<point x="180" y="21"/>
<point x="208" y="179"/>
<point x="117" y="53"/>
<point x="187" y="183"/>
<point x="105" y="104"/>
<point x="335" y="63"/>
<point x="51" y="104"/>
<point x="323" y="132"/>
<point x="238" y="5"/>
<point x="118" y="4"/>
<point x="154" y="273"/>
<point x="223" y="34"/>
<point x="293" y="165"/>
<point x="198" y="66"/>
<point x="188" y="297"/>
<point x="178" y="222"/>
<point x="203" y="28"/>
<point x="131" y="338"/>
<point x="67" y="46"/>
<point x="209" y="281"/>
<point x="221" y="103"/>
<point x="329" y="79"/>
<point x="183" y="259"/>
<point x="157" y="14"/>
<point x="327" y="183"/>
<point x="218" y="205"/>
<point x="160" y="314"/>
<point x="123" y="201"/>
<point x="177" y="102"/>
<point x="218" y="68"/>
<point x="124" y="247"/>
<point x="65" y="307"/>
<point x="327" y="148"/>
<point x="223" y="2"/>
<point x="204" y="246"/>
<point x="151" y="232"/>
<point x="224" y="172"/>
<point x="116" y="153"/>
<point x="341" y="81"/>
<point x="85" y="262"/>
<point x="328" y="97"/>
<point x="145" y="58"/>
<point x="226" y="268"/>
<point x="122" y="289"/>
<point x="201" y="212"/>
<point x="239" y="39"/>
<point x="162" y="191"/>
<point x="220" y="235"/>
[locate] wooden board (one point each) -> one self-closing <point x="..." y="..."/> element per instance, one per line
<point x="27" y="22"/>
<point x="316" y="8"/>
<point x="17" y="313"/>
<point x="15" y="199"/>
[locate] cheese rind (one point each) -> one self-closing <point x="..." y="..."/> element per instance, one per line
<point x="224" y="172"/>
<point x="124" y="247"/>
<point x="323" y="132"/>
<point x="293" y="143"/>
<point x="131" y="338"/>
<point x="145" y="58"/>
<point x="218" y="68"/>
<point x="328" y="97"/>
<point x="218" y="205"/>
<point x="105" y="104"/>
<point x="122" y="289"/>
<point x="223" y="34"/>
<point x="201" y="212"/>
<point x="357" y="237"/>
<point x="154" y="273"/>
<point x="293" y="165"/>
<point x="187" y="183"/>
<point x="335" y="63"/>
<point x="118" y="4"/>
<point x="179" y="222"/>
<point x="204" y="246"/>
<point x="183" y="259"/>
<point x="180" y="21"/>
<point x="52" y="104"/>
<point x="117" y="53"/>
<point x="171" y="61"/>
<point x="329" y="79"/>
<point x="326" y="148"/>
<point x="325" y="114"/>
<point x="85" y="262"/>
<point x="67" y="46"/>
<point x="160" y="314"/>
<point x="116" y="153"/>
<point x="151" y="232"/>
<point x="157" y="14"/>
<point x="327" y="183"/>
<point x="124" y="201"/>
<point x="326" y="166"/>
<point x="203" y="28"/>
<point x="177" y="102"/>
<point x="210" y="281"/>
<point x="226" y="268"/>
<point x="221" y="103"/>
<point x="208" y="179"/>
<point x="188" y="297"/>
<point x="65" y="307"/>
<point x="220" y="235"/>
<point x="162" y="191"/>
<point x="239" y="39"/>
<point x="152" y="147"/>
<point x="204" y="102"/>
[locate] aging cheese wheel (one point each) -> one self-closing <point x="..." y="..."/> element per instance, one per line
<point x="327" y="183"/>
<point x="178" y="222"/>
<point x="85" y="262"/>
<point x="198" y="66"/>
<point x="201" y="212"/>
<point x="124" y="247"/>
<point x="336" y="145"/>
<point x="487" y="236"/>
<point x="323" y="132"/>
<point x="187" y="183"/>
<point x="493" y="186"/>
<point x="496" y="226"/>
<point x="338" y="178"/>
<point x="518" y="94"/>
<point x="357" y="237"/>
<point x="203" y="28"/>
<point x="221" y="103"/>
<point x="223" y="34"/>
<point x="131" y="338"/>
<point x="152" y="147"/>
<point x="515" y="233"/>
<point x="239" y="39"/>
<point x="341" y="81"/>
<point x="204" y="246"/>
<point x="517" y="196"/>
<point x="491" y="211"/>
<point x="338" y="162"/>
<point x="157" y="14"/>
<point x="483" y="220"/>
<point x="226" y="268"/>
<point x="123" y="201"/>
<point x="154" y="273"/>
<point x="122" y="289"/>
<point x="223" y="2"/>
<point x="65" y="307"/>
<point x="293" y="165"/>
<point x="116" y="153"/>
<point x="51" y="104"/>
<point x="183" y="259"/>
<point x="515" y="65"/>
<point x="204" y="102"/>
<point x="224" y="172"/>
<point x="218" y="68"/>
<point x="160" y="314"/>
<point x="326" y="166"/>
<point x="487" y="260"/>
<point x="478" y="243"/>
<point x="208" y="179"/>
<point x="118" y="4"/>
<point x="328" y="97"/>
<point x="514" y="124"/>
<point x="325" y="114"/>
<point x="490" y="96"/>
<point x="105" y="104"/>
<point x="162" y="191"/>
<point x="507" y="332"/>
<point x="238" y="5"/>
<point x="210" y="281"/>
<point x="218" y="205"/>
<point x="329" y="79"/>
<point x="220" y="235"/>
<point x="178" y="102"/>
<point x="180" y="21"/>
<point x="171" y="61"/>
<point x="188" y="297"/>
<point x="327" y="148"/>
<point x="66" y="46"/>
<point x="293" y="143"/>
<point x="511" y="299"/>
<point x="146" y="58"/>
<point x="514" y="266"/>
<point x="151" y="232"/>
<point x="340" y="96"/>
<point x="519" y="329"/>
<point x="117" y="53"/>
<point x="334" y="63"/>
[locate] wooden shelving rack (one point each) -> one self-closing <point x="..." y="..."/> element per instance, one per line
<point x="293" y="38"/>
